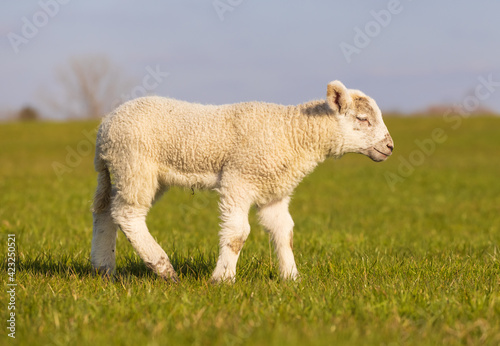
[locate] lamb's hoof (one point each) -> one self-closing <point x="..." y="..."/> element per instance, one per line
<point x="174" y="278"/>
<point x="170" y="276"/>
<point x="221" y="281"/>
<point x="104" y="272"/>
<point x="294" y="277"/>
<point x="215" y="282"/>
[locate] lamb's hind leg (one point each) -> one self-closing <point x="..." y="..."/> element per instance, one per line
<point x="132" y="221"/>
<point x="277" y="220"/>
<point x="102" y="254"/>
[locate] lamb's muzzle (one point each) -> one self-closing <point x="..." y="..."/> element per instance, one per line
<point x="383" y="149"/>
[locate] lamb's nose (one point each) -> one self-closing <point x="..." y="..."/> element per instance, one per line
<point x="390" y="146"/>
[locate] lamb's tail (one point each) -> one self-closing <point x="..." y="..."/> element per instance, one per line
<point x="102" y="197"/>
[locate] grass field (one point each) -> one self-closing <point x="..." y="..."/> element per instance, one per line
<point x="415" y="264"/>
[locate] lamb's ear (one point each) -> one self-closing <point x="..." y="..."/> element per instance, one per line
<point x="337" y="97"/>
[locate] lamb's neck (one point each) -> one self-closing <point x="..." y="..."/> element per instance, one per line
<point x="316" y="130"/>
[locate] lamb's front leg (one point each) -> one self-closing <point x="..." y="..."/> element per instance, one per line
<point x="234" y="231"/>
<point x="277" y="220"/>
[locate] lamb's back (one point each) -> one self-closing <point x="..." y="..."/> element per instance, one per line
<point x="188" y="136"/>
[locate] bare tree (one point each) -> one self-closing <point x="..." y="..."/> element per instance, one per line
<point x="88" y="87"/>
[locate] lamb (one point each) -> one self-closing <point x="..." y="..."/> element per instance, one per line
<point x="251" y="153"/>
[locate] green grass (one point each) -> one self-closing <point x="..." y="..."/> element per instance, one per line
<point x="414" y="265"/>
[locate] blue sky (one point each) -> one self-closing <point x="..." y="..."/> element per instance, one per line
<point x="428" y="52"/>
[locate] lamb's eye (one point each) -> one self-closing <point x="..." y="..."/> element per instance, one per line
<point x="364" y="120"/>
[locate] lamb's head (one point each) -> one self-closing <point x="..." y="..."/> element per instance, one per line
<point x="360" y="122"/>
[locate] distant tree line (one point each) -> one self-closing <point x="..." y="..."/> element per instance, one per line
<point x="86" y="87"/>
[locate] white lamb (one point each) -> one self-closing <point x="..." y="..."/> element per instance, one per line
<point x="251" y="153"/>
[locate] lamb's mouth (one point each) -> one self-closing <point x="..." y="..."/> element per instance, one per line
<point x="386" y="155"/>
